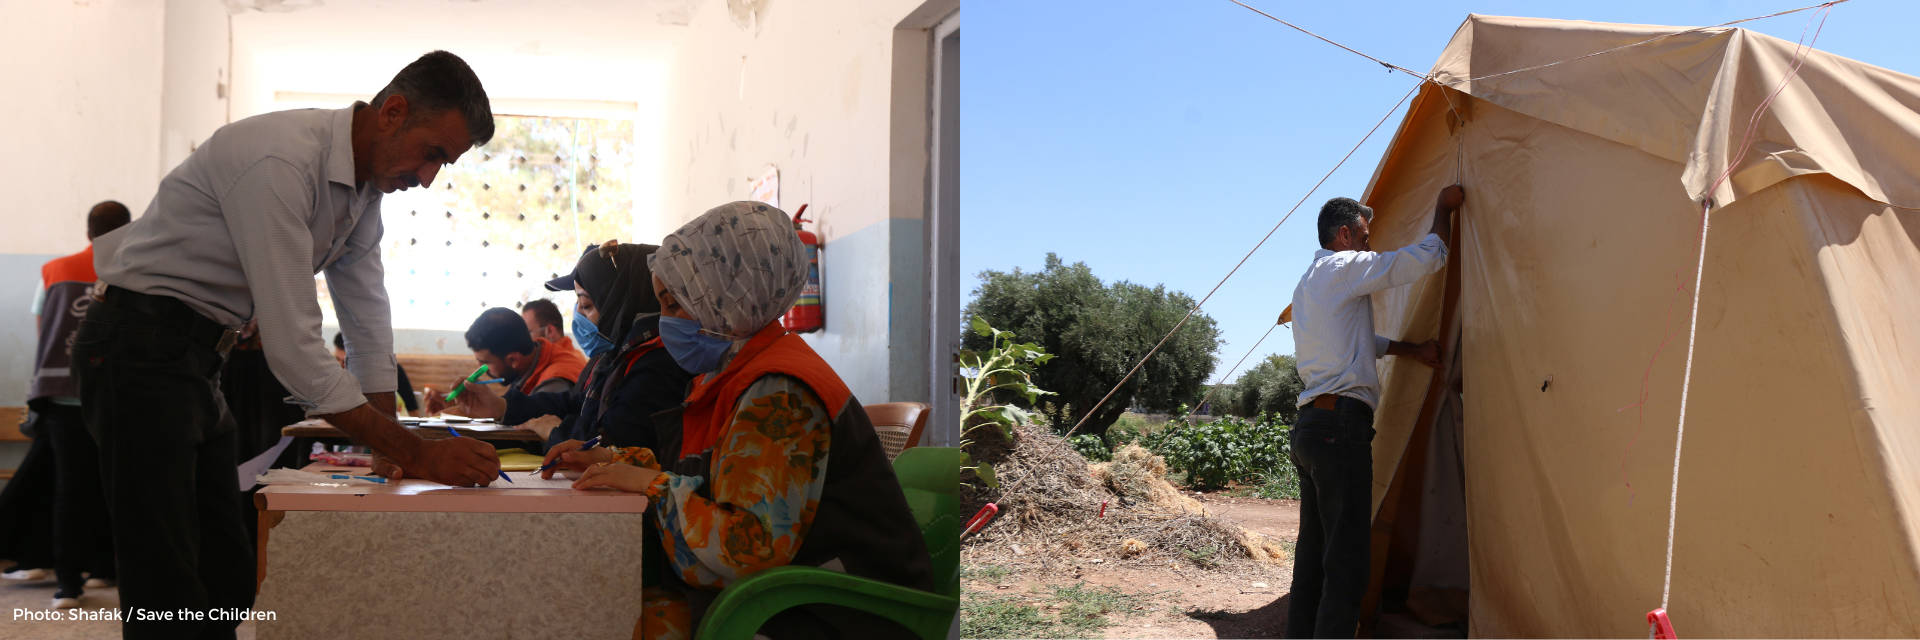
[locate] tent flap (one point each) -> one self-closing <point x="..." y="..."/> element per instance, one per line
<point x="1690" y="99"/>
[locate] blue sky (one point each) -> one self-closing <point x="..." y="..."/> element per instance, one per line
<point x="1157" y="141"/>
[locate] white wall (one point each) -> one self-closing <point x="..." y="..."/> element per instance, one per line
<point x="82" y="101"/>
<point x="810" y="89"/>
<point x="195" y="78"/>
<point x="831" y="92"/>
<point x="82" y="104"/>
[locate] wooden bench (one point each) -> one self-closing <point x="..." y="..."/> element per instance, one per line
<point x="436" y="371"/>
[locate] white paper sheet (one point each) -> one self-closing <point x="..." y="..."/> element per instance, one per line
<point x="250" y="469"/>
<point x="531" y="480"/>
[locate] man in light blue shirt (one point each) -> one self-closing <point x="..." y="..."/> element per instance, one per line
<point x="236" y="233"/>
<point x="1333" y="440"/>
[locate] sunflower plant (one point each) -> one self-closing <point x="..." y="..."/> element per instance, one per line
<point x="1001" y="371"/>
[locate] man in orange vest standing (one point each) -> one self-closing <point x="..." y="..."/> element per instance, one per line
<point x="82" y="532"/>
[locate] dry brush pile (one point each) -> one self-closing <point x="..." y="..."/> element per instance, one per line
<point x="1050" y="502"/>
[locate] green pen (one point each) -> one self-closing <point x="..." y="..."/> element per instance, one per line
<point x="472" y="378"/>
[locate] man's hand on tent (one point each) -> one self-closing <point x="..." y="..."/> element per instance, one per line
<point x="1452" y="197"/>
<point x="1427" y="353"/>
<point x="1449" y="201"/>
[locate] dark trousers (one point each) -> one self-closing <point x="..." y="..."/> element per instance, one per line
<point x="26" y="508"/>
<point x="82" y="531"/>
<point x="151" y="397"/>
<point x="1333" y="453"/>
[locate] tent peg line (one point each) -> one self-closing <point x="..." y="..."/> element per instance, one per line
<point x="1236" y="367"/>
<point x="1659" y="626"/>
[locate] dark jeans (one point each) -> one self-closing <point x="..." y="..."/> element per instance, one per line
<point x="1333" y="452"/>
<point x="82" y="531"/>
<point x="151" y="397"/>
<point x="26" y="508"/>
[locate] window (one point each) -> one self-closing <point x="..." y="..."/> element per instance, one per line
<point x="507" y="217"/>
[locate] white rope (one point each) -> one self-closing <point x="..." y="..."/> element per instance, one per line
<point x="1390" y="66"/>
<point x="1236" y="367"/>
<point x="1686" y="380"/>
<point x="1243" y="262"/>
<point x="1699" y="273"/>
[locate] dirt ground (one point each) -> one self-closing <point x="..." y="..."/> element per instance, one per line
<point x="1183" y="601"/>
<point x="1276" y="518"/>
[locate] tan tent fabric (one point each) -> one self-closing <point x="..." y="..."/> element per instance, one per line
<point x="1800" y="487"/>
<point x="1689" y="99"/>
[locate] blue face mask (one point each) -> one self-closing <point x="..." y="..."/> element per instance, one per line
<point x="588" y="335"/>
<point x="696" y="352"/>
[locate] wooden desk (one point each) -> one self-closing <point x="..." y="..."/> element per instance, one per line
<point x="424" y="560"/>
<point x="320" y="429"/>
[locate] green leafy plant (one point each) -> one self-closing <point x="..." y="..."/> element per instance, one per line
<point x="1282" y="482"/>
<point x="1091" y="447"/>
<point x="1004" y="368"/>
<point x="1127" y="430"/>
<point x="1210" y="454"/>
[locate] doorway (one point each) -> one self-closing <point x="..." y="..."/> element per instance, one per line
<point x="943" y="235"/>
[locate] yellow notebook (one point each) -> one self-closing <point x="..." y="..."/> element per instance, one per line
<point x="517" y="459"/>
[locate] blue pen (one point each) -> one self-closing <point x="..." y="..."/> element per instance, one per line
<point x="366" y="478"/>
<point x="493" y="381"/>
<point x="583" y="447"/>
<point x="503" y="472"/>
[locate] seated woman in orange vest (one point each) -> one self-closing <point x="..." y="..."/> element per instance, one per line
<point x="774" y="462"/>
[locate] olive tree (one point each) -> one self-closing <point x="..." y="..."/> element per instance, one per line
<point x="1272" y="387"/>
<point x="1097" y="332"/>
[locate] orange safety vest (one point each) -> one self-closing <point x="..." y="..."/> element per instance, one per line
<point x="773" y="350"/>
<point x="74" y="268"/>
<point x="67" y="282"/>
<point x="555" y="362"/>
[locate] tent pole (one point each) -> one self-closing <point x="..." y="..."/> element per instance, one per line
<point x="1410" y="470"/>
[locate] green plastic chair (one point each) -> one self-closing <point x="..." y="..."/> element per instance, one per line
<point x="930" y="476"/>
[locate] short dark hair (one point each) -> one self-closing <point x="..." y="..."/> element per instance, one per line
<point x="103" y="218"/>
<point x="501" y="331"/>
<point x="1341" y="212"/>
<point x="340" y="341"/>
<point x="545" y="312"/>
<point x="437" y="82"/>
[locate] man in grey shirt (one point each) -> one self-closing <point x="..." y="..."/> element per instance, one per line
<point x="237" y="232"/>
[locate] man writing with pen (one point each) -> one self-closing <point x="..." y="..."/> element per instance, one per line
<point x="237" y="232"/>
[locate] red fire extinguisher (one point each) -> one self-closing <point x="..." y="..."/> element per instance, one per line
<point x="808" y="314"/>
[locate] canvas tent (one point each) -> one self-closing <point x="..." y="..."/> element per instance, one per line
<point x="1799" y="491"/>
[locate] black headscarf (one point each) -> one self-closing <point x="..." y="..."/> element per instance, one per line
<point x="617" y="280"/>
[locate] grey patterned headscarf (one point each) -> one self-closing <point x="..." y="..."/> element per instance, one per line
<point x="736" y="268"/>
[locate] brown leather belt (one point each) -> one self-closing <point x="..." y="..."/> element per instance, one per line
<point x="1325" y="401"/>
